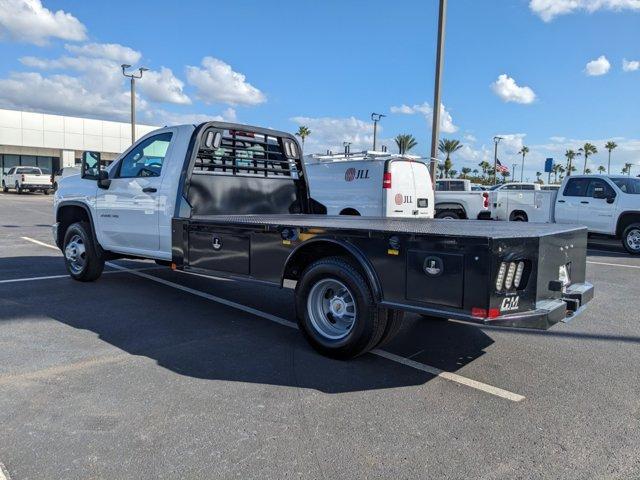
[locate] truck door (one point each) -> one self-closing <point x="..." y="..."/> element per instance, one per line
<point x="399" y="189"/>
<point x="424" y="189"/>
<point x="598" y="213"/>
<point x="128" y="209"/>
<point x="571" y="199"/>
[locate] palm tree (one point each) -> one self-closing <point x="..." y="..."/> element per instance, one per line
<point x="588" y="171"/>
<point x="452" y="173"/>
<point x="586" y="150"/>
<point x="627" y="168"/>
<point x="447" y="147"/>
<point x="601" y="169"/>
<point x="465" y="171"/>
<point x="475" y="172"/>
<point x="555" y="170"/>
<point x="538" y="175"/>
<point x="561" y="170"/>
<point x="405" y="142"/>
<point x="610" y="146"/>
<point x="505" y="174"/>
<point x="303" y="132"/>
<point x="570" y="154"/>
<point x="441" y="170"/>
<point x="485" y="166"/>
<point x="523" y="151"/>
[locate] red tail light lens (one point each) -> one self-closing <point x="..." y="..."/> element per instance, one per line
<point x="485" y="197"/>
<point x="386" y="180"/>
<point x="22" y="177"/>
<point x="479" y="312"/>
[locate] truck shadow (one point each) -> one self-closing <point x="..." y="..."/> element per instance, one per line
<point x="199" y="338"/>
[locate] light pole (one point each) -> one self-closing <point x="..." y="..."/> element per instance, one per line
<point x="515" y="166"/>
<point x="435" y="125"/>
<point x="133" y="78"/>
<point x="376" y="117"/>
<point x="496" y="141"/>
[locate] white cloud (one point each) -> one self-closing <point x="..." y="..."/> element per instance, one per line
<point x="549" y="9"/>
<point x="103" y="75"/>
<point x="216" y="81"/>
<point x="509" y="91"/>
<point x="597" y="67"/>
<point x="469" y="138"/>
<point x="329" y="134"/>
<point x="111" y="51"/>
<point x="163" y="117"/>
<point x="511" y="143"/>
<point x="28" y="21"/>
<point x="446" y="120"/>
<point x="61" y="94"/>
<point x="163" y="86"/>
<point x="630" y="65"/>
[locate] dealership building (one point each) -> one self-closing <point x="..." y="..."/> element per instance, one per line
<point x="52" y="142"/>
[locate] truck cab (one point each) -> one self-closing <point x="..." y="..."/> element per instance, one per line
<point x="606" y="204"/>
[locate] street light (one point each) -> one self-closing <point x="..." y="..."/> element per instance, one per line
<point x="496" y="141"/>
<point x="133" y="78"/>
<point x="435" y="126"/>
<point x="376" y="117"/>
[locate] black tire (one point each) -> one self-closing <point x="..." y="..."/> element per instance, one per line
<point x="519" y="217"/>
<point x="5" y="189"/>
<point x="18" y="189"/>
<point x="394" y="324"/>
<point x="55" y="187"/>
<point x="46" y="191"/>
<point x="369" y="323"/>
<point x="449" y="214"/>
<point x="630" y="239"/>
<point x="93" y="263"/>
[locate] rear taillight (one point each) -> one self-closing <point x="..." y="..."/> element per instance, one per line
<point x="386" y="180"/>
<point x="22" y="177"/>
<point x="485" y="199"/>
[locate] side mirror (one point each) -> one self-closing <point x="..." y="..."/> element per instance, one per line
<point x="103" y="179"/>
<point x="90" y="166"/>
<point x="611" y="198"/>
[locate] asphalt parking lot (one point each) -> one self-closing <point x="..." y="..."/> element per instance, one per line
<point x="149" y="373"/>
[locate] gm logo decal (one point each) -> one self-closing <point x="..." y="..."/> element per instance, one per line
<point x="510" y="304"/>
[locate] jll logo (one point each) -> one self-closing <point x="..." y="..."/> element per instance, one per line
<point x="352" y="174"/>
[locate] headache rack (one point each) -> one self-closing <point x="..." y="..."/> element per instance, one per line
<point x="248" y="153"/>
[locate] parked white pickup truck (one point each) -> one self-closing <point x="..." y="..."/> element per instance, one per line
<point x="26" y="178"/>
<point x="606" y="205"/>
<point x="229" y="200"/>
<point x="456" y="198"/>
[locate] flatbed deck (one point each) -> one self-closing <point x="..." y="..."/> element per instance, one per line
<point x="462" y="228"/>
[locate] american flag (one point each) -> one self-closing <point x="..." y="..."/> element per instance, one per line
<point x="501" y="168"/>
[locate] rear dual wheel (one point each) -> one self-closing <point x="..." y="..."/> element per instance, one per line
<point x="337" y="311"/>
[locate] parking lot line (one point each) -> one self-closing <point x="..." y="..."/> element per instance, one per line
<point x="614" y="264"/>
<point x="53" y="277"/>
<point x="436" y="372"/>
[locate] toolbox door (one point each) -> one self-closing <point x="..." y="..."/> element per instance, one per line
<point x="219" y="250"/>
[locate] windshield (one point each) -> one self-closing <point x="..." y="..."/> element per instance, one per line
<point x="628" y="185"/>
<point x="495" y="187"/>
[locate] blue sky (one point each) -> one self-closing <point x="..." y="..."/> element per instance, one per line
<point x="517" y="68"/>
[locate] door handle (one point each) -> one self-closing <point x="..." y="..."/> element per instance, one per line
<point x="560" y="201"/>
<point x="149" y="190"/>
<point x="584" y="201"/>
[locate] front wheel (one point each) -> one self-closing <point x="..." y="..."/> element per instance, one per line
<point x="336" y="309"/>
<point x="5" y="189"/>
<point x="631" y="239"/>
<point x="80" y="257"/>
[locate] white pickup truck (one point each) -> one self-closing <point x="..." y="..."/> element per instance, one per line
<point x="26" y="178"/>
<point x="606" y="204"/>
<point x="456" y="198"/>
<point x="228" y="200"/>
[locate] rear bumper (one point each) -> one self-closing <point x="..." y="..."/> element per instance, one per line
<point x="484" y="215"/>
<point x="33" y="186"/>
<point x="546" y="314"/>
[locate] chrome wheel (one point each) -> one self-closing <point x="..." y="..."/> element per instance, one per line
<point x="331" y="308"/>
<point x="76" y="254"/>
<point x="633" y="239"/>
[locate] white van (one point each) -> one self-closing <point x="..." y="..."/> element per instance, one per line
<point x="371" y="184"/>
